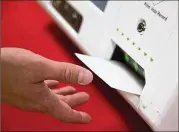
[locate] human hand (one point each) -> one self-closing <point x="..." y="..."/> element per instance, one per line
<point x="27" y="79"/>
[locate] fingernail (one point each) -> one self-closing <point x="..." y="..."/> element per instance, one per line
<point x="85" y="77"/>
<point x="86" y="118"/>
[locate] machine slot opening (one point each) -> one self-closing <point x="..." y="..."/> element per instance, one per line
<point x="130" y="65"/>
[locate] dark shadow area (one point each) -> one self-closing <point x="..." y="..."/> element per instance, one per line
<point x="118" y="102"/>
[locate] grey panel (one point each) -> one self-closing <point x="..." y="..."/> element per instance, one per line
<point x="101" y="4"/>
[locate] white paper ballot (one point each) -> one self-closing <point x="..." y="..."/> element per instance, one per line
<point x="113" y="73"/>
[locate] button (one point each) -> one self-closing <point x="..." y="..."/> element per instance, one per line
<point x="58" y="2"/>
<point x="66" y="6"/>
<point x="74" y="15"/>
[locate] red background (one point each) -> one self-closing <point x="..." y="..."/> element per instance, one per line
<point x="26" y="25"/>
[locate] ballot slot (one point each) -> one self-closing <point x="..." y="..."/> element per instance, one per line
<point x="130" y="65"/>
<point x="70" y="14"/>
<point x="120" y="72"/>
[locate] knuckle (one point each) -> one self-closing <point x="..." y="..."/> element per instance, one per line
<point x="67" y="74"/>
<point x="65" y="99"/>
<point x="70" y="73"/>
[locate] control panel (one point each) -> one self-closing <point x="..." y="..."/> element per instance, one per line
<point x="73" y="18"/>
<point x="134" y="42"/>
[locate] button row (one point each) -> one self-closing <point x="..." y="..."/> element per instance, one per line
<point x="69" y="13"/>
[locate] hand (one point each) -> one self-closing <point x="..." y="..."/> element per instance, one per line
<point x="26" y="79"/>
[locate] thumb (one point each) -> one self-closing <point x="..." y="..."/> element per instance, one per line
<point x="67" y="72"/>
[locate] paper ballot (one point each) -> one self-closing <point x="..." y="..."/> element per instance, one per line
<point x="113" y="73"/>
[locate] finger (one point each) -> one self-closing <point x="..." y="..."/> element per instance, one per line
<point x="75" y="99"/>
<point x="67" y="72"/>
<point x="77" y="117"/>
<point x="51" y="83"/>
<point x="64" y="90"/>
<point x="62" y="111"/>
<point x="73" y="116"/>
